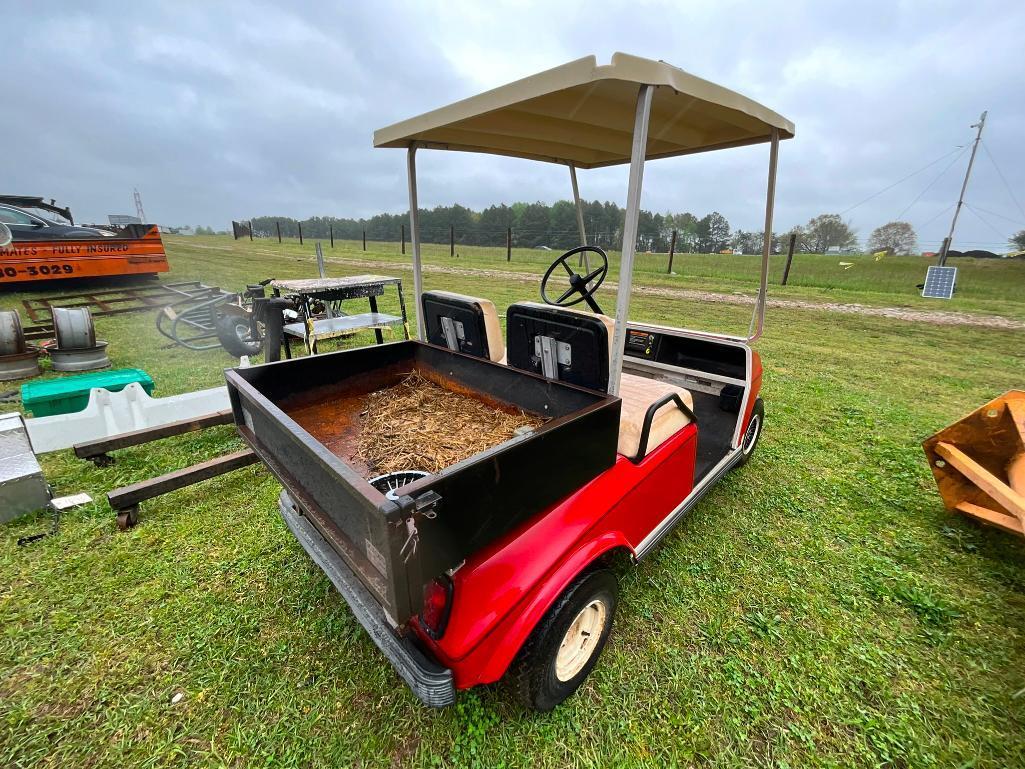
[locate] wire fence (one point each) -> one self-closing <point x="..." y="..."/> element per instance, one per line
<point x="497" y="252"/>
<point x="503" y="242"/>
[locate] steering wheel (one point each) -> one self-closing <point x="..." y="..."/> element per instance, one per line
<point x="578" y="284"/>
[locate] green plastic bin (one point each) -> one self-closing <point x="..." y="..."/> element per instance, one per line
<point x="71" y="393"/>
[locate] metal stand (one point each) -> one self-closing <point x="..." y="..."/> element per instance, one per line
<point x="308" y="293"/>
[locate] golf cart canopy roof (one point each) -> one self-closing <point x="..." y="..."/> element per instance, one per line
<point x="582" y="114"/>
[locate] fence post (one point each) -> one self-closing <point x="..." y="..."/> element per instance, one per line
<point x="508" y="244"/>
<point x="364" y="238"/>
<point x="672" y="250"/>
<point x="451" y="240"/>
<point x="403" y="238"/>
<point x="320" y="260"/>
<point x="331" y="229"/>
<point x="790" y="258"/>
<point x="300" y="232"/>
<point x="277" y="226"/>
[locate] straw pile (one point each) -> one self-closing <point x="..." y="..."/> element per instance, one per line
<point x="419" y="425"/>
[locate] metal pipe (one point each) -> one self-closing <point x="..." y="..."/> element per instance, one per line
<point x="758" y="318"/>
<point x="414" y="232"/>
<point x="964" y="188"/>
<point x="584" y="260"/>
<point x="633" y="207"/>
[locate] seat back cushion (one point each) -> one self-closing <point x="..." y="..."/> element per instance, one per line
<point x="581" y="342"/>
<point x="472" y="324"/>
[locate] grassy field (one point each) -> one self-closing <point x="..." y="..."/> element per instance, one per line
<point x="984" y="285"/>
<point x="818" y="608"/>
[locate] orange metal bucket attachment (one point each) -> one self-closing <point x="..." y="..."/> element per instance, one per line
<point x="979" y="463"/>
<point x="38" y="260"/>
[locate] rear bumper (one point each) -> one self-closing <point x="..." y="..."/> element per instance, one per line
<point x="430" y="682"/>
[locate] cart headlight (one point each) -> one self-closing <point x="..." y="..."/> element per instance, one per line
<point x="437" y="606"/>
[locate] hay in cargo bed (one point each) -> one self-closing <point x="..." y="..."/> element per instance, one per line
<point x="420" y="425"/>
<point x="415" y="424"/>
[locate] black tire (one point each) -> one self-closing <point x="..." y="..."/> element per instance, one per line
<point x="233" y="333"/>
<point x="532" y="677"/>
<point x="753" y="433"/>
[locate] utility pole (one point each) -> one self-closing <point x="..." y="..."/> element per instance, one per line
<point x="964" y="187"/>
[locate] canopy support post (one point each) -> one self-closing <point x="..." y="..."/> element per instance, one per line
<point x="580" y="218"/>
<point x="758" y="318"/>
<point x="414" y="232"/>
<point x="633" y="207"/>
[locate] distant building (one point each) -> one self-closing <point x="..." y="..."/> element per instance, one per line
<point x="120" y="220"/>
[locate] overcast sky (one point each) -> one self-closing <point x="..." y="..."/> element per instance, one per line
<point x="230" y="110"/>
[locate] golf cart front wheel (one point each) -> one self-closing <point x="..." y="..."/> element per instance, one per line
<point x="566" y="644"/>
<point x="233" y="332"/>
<point x="749" y="442"/>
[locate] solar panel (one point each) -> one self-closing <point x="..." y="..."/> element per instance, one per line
<point x="939" y="282"/>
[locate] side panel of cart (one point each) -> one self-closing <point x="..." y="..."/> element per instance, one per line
<point x="520" y="575"/>
<point x="138" y="250"/>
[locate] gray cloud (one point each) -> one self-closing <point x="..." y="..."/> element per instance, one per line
<point x="219" y="111"/>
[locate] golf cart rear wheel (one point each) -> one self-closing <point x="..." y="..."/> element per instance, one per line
<point x="233" y="332"/>
<point x="749" y="442"/>
<point x="566" y="644"/>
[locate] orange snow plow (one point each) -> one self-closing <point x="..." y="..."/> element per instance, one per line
<point x="136" y="250"/>
<point x="979" y="463"/>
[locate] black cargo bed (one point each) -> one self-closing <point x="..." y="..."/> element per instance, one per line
<point x="454" y="512"/>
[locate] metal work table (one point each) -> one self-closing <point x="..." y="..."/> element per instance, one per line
<point x="336" y="290"/>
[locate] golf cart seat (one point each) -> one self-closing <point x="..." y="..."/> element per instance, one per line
<point x="638" y="394"/>
<point x="575" y="346"/>
<point x="466" y="324"/>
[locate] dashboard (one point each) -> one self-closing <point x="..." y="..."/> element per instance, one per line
<point x="724" y="361"/>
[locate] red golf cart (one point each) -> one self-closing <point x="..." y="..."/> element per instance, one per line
<point x="500" y="564"/>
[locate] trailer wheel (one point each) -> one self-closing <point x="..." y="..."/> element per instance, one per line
<point x="233" y="332"/>
<point x="566" y="644"/>
<point x="749" y="442"/>
<point x="127" y="519"/>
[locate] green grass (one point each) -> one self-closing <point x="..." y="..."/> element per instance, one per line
<point x="984" y="285"/>
<point x="818" y="608"/>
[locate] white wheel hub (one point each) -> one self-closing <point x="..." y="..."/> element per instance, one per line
<point x="581" y="640"/>
<point x="751" y="435"/>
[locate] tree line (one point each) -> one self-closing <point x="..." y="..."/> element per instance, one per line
<point x="555" y="225"/>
